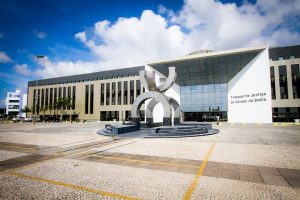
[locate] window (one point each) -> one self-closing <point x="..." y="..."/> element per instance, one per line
<point x="38" y="103"/>
<point x="102" y="94"/>
<point x="295" y="81"/>
<point x="59" y="92"/>
<point x="14" y="101"/>
<point x="69" y="95"/>
<point x="113" y="88"/>
<point x="55" y="95"/>
<point x="42" y="99"/>
<point x="107" y="93"/>
<point x="46" y="98"/>
<point x="92" y="99"/>
<point x="273" y="90"/>
<point x="125" y="90"/>
<point x="86" y="99"/>
<point x="13" y="107"/>
<point x="34" y="100"/>
<point x="119" y="92"/>
<point x="74" y="97"/>
<point x="64" y="96"/>
<point x="51" y="96"/>
<point x="138" y="88"/>
<point x="283" y="82"/>
<point x="131" y="97"/>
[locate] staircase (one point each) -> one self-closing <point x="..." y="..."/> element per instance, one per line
<point x="185" y="130"/>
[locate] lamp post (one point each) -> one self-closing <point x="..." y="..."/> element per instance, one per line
<point x="36" y="84"/>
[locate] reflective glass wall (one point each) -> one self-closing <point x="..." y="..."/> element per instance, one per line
<point x="204" y="98"/>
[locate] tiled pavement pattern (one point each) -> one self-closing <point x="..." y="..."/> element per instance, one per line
<point x="254" y="174"/>
<point x="90" y="167"/>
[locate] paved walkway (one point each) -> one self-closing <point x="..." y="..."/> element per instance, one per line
<point x="70" y="161"/>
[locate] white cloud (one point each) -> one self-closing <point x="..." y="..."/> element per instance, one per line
<point x="197" y="25"/>
<point x="20" y="82"/>
<point x="22" y="69"/>
<point x="4" y="58"/>
<point x="40" y="34"/>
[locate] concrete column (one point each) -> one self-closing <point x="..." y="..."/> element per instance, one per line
<point x="135" y="88"/>
<point x="122" y="92"/>
<point x="277" y="84"/>
<point x="289" y="81"/>
<point x="104" y="94"/>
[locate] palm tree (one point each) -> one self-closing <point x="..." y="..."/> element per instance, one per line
<point x="50" y="108"/>
<point x="55" y="107"/>
<point x="63" y="103"/>
<point x="44" y="110"/>
<point x="26" y="110"/>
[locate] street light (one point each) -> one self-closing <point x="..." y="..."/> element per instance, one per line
<point x="36" y="84"/>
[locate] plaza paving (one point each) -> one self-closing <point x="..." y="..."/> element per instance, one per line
<point x="70" y="161"/>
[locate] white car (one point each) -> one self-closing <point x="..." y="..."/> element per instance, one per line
<point x="29" y="119"/>
<point x="18" y="119"/>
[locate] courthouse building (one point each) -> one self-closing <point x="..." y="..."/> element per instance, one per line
<point x="254" y="85"/>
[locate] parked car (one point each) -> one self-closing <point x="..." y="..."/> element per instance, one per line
<point x="18" y="119"/>
<point x="29" y="119"/>
<point x="51" y="119"/>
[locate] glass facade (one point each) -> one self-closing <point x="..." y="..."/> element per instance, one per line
<point x="208" y="70"/>
<point x="204" y="98"/>
<point x="203" y="83"/>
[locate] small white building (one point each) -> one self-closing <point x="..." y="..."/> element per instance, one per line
<point x="15" y="101"/>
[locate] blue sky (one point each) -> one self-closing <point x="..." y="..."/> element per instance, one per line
<point x="78" y="36"/>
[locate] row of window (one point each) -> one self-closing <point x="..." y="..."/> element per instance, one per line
<point x="117" y="93"/>
<point x="89" y="95"/>
<point x="13" y="101"/>
<point x="47" y="97"/>
<point x="283" y="58"/>
<point x="112" y="94"/>
<point x="283" y="83"/>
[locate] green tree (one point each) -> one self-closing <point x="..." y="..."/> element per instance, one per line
<point x="26" y="110"/>
<point x="44" y="110"/>
<point x="55" y="108"/>
<point x="63" y="103"/>
<point x="50" y="107"/>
